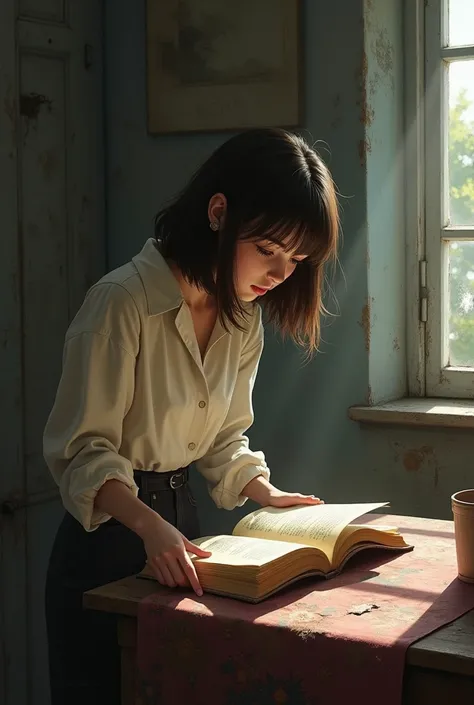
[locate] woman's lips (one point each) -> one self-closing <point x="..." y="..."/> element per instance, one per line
<point x="258" y="290"/>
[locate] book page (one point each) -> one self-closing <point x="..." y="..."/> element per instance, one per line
<point x="315" y="525"/>
<point x="240" y="550"/>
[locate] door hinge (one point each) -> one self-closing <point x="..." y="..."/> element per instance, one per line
<point x="423" y="292"/>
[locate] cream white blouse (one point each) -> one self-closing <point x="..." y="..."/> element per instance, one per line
<point x="135" y="393"/>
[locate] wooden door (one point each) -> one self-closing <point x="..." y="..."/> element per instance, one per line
<point x="52" y="248"/>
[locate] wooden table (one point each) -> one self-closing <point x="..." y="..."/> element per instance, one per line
<point x="439" y="668"/>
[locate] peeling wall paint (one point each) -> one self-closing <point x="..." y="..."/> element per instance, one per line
<point x="301" y="422"/>
<point x="380" y="150"/>
<point x="366" y="112"/>
<point x="413" y="459"/>
<point x="30" y="105"/>
<point x="364" y="323"/>
<point x="364" y="147"/>
<point x="384" y="52"/>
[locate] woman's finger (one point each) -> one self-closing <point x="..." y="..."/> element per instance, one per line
<point x="176" y="571"/>
<point x="157" y="572"/>
<point x="311" y="499"/>
<point x="190" y="572"/>
<point x="197" y="550"/>
<point x="305" y="498"/>
<point x="165" y="571"/>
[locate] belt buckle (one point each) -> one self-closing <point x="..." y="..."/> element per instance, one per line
<point x="178" y="476"/>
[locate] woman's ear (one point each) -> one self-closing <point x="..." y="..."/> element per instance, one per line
<point x="216" y="210"/>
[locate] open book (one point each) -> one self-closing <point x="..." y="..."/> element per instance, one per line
<point x="272" y="548"/>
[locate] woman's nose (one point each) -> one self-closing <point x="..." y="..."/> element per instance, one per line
<point x="278" y="272"/>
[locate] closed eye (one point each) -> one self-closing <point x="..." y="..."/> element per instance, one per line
<point x="269" y="253"/>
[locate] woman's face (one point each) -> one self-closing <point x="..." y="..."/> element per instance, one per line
<point x="261" y="266"/>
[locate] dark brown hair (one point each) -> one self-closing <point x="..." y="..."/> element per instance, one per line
<point x="277" y="189"/>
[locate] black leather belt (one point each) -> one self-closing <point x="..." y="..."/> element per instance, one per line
<point x="150" y="481"/>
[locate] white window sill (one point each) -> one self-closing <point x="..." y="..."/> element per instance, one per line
<point x="440" y="413"/>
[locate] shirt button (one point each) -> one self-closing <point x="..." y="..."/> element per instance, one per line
<point x="202" y="404"/>
<point x="191" y="446"/>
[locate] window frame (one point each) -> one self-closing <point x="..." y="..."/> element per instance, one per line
<point x="426" y="34"/>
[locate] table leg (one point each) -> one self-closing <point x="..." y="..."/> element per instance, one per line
<point x="127" y="639"/>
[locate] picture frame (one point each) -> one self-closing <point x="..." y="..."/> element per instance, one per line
<point x="222" y="65"/>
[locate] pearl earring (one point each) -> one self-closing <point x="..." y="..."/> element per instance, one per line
<point x="214" y="225"/>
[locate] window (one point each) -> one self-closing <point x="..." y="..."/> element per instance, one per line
<point x="446" y="246"/>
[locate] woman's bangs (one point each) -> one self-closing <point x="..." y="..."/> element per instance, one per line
<point x="297" y="237"/>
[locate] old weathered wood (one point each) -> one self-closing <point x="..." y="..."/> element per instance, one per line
<point x="121" y="597"/>
<point x="441" y="413"/>
<point x="13" y="616"/>
<point x="449" y="649"/>
<point x="425" y="686"/>
<point x="52" y="249"/>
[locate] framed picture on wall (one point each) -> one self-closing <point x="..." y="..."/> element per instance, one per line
<point x="222" y="64"/>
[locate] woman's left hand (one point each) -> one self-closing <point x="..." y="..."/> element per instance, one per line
<point x="266" y="494"/>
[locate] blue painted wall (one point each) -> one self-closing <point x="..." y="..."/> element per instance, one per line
<point x="353" y="106"/>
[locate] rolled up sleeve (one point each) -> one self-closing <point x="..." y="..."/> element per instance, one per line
<point x="230" y="464"/>
<point x="83" y="434"/>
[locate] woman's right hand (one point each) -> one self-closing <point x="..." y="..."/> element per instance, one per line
<point x="166" y="549"/>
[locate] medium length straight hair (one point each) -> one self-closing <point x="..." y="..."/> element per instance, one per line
<point x="278" y="189"/>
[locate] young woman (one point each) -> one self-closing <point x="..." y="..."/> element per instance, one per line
<point x="158" y="370"/>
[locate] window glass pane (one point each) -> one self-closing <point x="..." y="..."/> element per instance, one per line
<point x="461" y="142"/>
<point x="461" y="304"/>
<point x="461" y="22"/>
